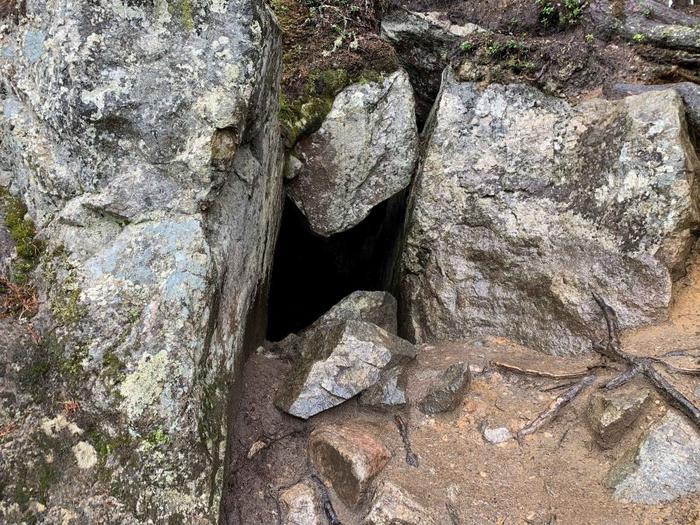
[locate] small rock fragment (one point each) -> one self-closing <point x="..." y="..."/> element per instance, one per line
<point x="389" y="392"/>
<point x="446" y="392"/>
<point x="663" y="467"/>
<point x="348" y="457"/>
<point x="496" y="436"/>
<point x="610" y="415"/>
<point x="255" y="448"/>
<point x="392" y="505"/>
<point x="339" y="361"/>
<point x="301" y="505"/>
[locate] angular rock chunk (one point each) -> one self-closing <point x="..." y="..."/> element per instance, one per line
<point x="665" y="465"/>
<point x="447" y="391"/>
<point x="301" y="505"/>
<point x="392" y="505"/>
<point x="363" y="154"/>
<point x="389" y="392"/>
<point x="372" y="307"/>
<point x="610" y="415"/>
<point x="340" y="361"/>
<point x="496" y="435"/>
<point x="348" y="457"/>
<point x="526" y="204"/>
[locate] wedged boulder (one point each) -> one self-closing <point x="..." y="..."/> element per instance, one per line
<point x="664" y="466"/>
<point x="143" y="137"/>
<point x="392" y="505"/>
<point x="338" y="362"/>
<point x="348" y="457"/>
<point x="423" y="42"/>
<point x="526" y="204"/>
<point x="610" y="415"/>
<point x="363" y="154"/>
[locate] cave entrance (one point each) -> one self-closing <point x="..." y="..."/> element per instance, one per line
<point x="311" y="273"/>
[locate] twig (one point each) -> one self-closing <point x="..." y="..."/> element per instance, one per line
<point x="452" y="513"/>
<point x="677" y="369"/>
<point x="411" y="458"/>
<point x="554" y="408"/>
<point x="557" y="387"/>
<point x="621" y="379"/>
<point x="537" y="373"/>
<point x="643" y="365"/>
<point x="326" y="504"/>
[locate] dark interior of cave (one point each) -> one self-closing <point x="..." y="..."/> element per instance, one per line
<point x="311" y="273"/>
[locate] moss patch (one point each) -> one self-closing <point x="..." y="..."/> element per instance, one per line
<point x="23" y="233"/>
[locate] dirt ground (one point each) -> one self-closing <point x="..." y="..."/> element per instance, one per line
<point x="556" y="476"/>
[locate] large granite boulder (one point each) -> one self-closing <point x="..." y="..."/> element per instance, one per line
<point x="143" y="137"/>
<point x="339" y="361"/>
<point x="363" y="154"/>
<point x="526" y="204"/>
<point x="664" y="466"/>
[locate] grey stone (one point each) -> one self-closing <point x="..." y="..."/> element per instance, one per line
<point x="363" y="154"/>
<point x="340" y="361"/>
<point x="7" y="245"/>
<point x="447" y="391"/>
<point x="496" y="435"/>
<point x="389" y="392"/>
<point x="392" y="505"/>
<point x="301" y="505"/>
<point x="423" y="42"/>
<point x="610" y="415"/>
<point x="697" y="391"/>
<point x="143" y="137"/>
<point x="525" y="204"/>
<point x="663" y="467"/>
<point x="348" y="457"/>
<point x="372" y="307"/>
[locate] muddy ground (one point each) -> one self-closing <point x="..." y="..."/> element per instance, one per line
<point x="556" y="476"/>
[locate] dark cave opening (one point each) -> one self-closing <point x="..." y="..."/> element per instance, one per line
<point x="311" y="273"/>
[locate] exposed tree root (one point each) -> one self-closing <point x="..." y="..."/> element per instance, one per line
<point x="537" y="373"/>
<point x="554" y="408"/>
<point x="641" y="366"/>
<point x="411" y="458"/>
<point x="326" y="504"/>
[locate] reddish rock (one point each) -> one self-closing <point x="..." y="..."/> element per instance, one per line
<point x="348" y="457"/>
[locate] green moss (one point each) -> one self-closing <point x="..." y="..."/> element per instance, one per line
<point x="23" y="233"/>
<point x="186" y="13"/>
<point x="64" y="292"/>
<point x="156" y="439"/>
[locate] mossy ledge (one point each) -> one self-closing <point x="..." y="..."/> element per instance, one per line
<point x="23" y="232"/>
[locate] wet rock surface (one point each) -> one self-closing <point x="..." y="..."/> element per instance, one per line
<point x="526" y="204"/>
<point x="392" y="505"/>
<point x="340" y="361"/>
<point x="363" y="154"/>
<point x="610" y="415"/>
<point x="348" y="457"/>
<point x="447" y="391"/>
<point x="663" y="467"/>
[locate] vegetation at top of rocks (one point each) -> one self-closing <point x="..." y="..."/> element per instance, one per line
<point x="560" y="12"/>
<point x="638" y="38"/>
<point x="327" y="46"/>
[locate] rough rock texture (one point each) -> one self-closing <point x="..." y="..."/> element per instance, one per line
<point x="372" y="307"/>
<point x="348" y="457"/>
<point x="363" y="154"/>
<point x="610" y="415"/>
<point x="340" y="361"/>
<point x="391" y="505"/>
<point x="389" y="392"/>
<point x="447" y="390"/>
<point x="423" y="42"/>
<point x="525" y="205"/>
<point x="665" y="465"/>
<point x="144" y="138"/>
<point x="301" y="505"/>
<point x="496" y="435"/>
<point x="7" y="247"/>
